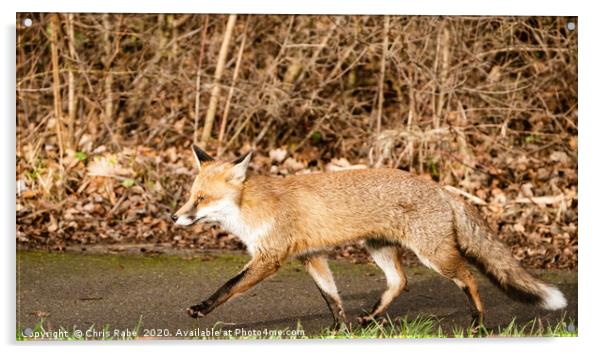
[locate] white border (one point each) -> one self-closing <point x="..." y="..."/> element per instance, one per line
<point x="589" y="161"/>
<point x="369" y="7"/>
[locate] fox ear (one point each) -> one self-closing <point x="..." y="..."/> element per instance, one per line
<point x="200" y="155"/>
<point x="238" y="173"/>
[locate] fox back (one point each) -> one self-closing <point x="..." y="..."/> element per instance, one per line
<point x="313" y="212"/>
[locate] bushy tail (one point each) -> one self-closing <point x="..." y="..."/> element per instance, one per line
<point x="477" y="241"/>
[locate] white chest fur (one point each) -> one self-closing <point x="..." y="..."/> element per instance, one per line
<point x="231" y="220"/>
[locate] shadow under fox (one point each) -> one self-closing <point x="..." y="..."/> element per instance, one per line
<point x="305" y="216"/>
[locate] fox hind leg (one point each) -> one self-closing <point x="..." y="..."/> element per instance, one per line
<point x="451" y="264"/>
<point x="317" y="267"/>
<point x="467" y="283"/>
<point x="387" y="258"/>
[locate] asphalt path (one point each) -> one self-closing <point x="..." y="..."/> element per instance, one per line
<point x="72" y="291"/>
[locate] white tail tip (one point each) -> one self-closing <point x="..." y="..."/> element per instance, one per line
<point x="553" y="299"/>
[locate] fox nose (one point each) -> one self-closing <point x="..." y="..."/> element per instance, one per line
<point x="174" y="217"/>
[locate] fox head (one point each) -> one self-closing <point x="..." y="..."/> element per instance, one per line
<point x="216" y="191"/>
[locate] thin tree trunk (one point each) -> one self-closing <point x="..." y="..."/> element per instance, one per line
<point x="443" y="75"/>
<point x="108" y="101"/>
<point x="222" y="127"/>
<point x="381" y="82"/>
<point x="219" y="70"/>
<point x="56" y="84"/>
<point x="197" y="100"/>
<point x="71" y="78"/>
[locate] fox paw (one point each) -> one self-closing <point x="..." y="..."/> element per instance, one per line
<point x="363" y="320"/>
<point x="338" y="326"/>
<point x="366" y="320"/>
<point x="197" y="311"/>
<point x="478" y="330"/>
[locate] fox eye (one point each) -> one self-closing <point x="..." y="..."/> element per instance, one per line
<point x="200" y="198"/>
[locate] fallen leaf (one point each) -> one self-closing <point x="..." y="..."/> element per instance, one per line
<point x="277" y="155"/>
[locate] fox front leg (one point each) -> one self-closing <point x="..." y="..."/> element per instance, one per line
<point x="254" y="272"/>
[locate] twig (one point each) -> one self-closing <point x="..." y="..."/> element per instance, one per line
<point x="472" y="198"/>
<point x="263" y="131"/>
<point x="320" y="47"/>
<point x="72" y="101"/>
<point x="263" y="87"/>
<point x="221" y="60"/>
<point x="222" y="127"/>
<point x="443" y="77"/>
<point x="197" y="100"/>
<point x="381" y="81"/>
<point x="108" y="82"/>
<point x="58" y="110"/>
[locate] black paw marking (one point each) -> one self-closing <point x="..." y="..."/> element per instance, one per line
<point x="366" y="320"/>
<point x="197" y="311"/>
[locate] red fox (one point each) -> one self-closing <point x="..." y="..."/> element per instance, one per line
<point x="304" y="216"/>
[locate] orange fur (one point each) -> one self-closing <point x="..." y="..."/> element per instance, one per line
<point x="306" y="215"/>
